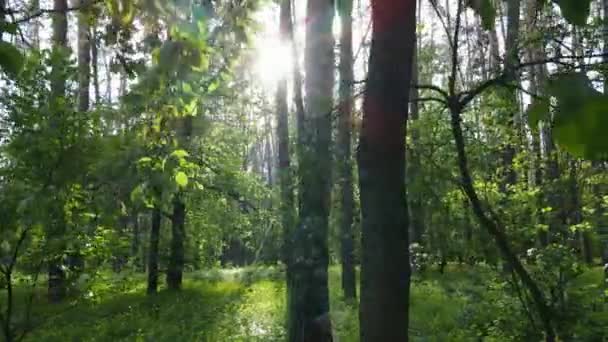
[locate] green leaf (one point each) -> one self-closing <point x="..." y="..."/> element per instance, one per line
<point x="538" y="111"/>
<point x="11" y="59"/>
<point x="144" y="160"/>
<point x="581" y="117"/>
<point x="584" y="136"/>
<point x="180" y="154"/>
<point x="575" y="11"/>
<point x="213" y="86"/>
<point x="181" y="179"/>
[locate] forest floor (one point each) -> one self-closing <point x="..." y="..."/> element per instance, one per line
<point x="248" y="305"/>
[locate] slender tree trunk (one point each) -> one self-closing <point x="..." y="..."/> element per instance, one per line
<point x="95" y="65"/>
<point x="84" y="57"/>
<point x="136" y="243"/>
<point x="385" y="267"/>
<point x="345" y="124"/>
<point x="176" y="258"/>
<point x="575" y="213"/>
<point x="178" y="219"/>
<point x="108" y="79"/>
<point x="496" y="229"/>
<point x="494" y="53"/>
<point x="310" y="293"/>
<point x="548" y="169"/>
<point x="56" y="276"/>
<point x="153" y="252"/>
<point x="35" y="24"/>
<point x="2" y="16"/>
<point x="511" y="60"/>
<point x="297" y="81"/>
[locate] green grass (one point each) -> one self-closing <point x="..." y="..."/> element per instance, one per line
<point x="248" y="305"/>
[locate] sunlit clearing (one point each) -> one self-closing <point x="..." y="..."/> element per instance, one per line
<point x="273" y="61"/>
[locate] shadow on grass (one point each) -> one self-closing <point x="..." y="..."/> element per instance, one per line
<point x="200" y="312"/>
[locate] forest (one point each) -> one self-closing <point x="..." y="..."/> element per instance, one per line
<point x="304" y="170"/>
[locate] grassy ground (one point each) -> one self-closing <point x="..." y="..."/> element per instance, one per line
<point x="248" y="305"/>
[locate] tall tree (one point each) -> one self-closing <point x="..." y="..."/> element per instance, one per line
<point x="56" y="275"/>
<point x="84" y="56"/>
<point x="385" y="268"/>
<point x="309" y="285"/>
<point x="511" y="59"/>
<point x="345" y="124"/>
<point x="284" y="158"/>
<point x="153" y="252"/>
<point x="175" y="268"/>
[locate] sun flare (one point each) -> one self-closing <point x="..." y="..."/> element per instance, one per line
<point x="273" y="61"/>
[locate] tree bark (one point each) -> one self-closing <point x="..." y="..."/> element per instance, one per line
<point x="95" y="65"/>
<point x="415" y="207"/>
<point x="56" y="276"/>
<point x="288" y="214"/>
<point x="309" y="292"/>
<point x="385" y="268"/>
<point x="345" y="124"/>
<point x="178" y="232"/>
<point x="153" y="252"/>
<point x="511" y="60"/>
<point x="84" y="56"/>
<point x="136" y="243"/>
<point x="494" y="53"/>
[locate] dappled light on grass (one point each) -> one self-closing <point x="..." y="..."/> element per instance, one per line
<point x="249" y="304"/>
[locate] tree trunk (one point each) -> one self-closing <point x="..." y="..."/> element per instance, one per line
<point x="56" y="276"/>
<point x="310" y="294"/>
<point x="108" y="67"/>
<point x="494" y="53"/>
<point x="84" y="57"/>
<point x="153" y="252"/>
<point x="35" y="24"/>
<point x="511" y="60"/>
<point x="176" y="258"/>
<point x="385" y="267"/>
<point x="415" y="207"/>
<point x="297" y="82"/>
<point x="345" y="124"/>
<point x="285" y="180"/>
<point x="576" y="214"/>
<point x="95" y="65"/>
<point x="135" y="243"/>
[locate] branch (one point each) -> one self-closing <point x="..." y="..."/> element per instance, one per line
<point x="430" y="99"/>
<point x="433" y="88"/>
<point x="30" y="300"/>
<point x="493" y="225"/>
<point x="44" y="11"/>
<point x="452" y="77"/>
<point x="233" y="195"/>
<point x="465" y="98"/>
